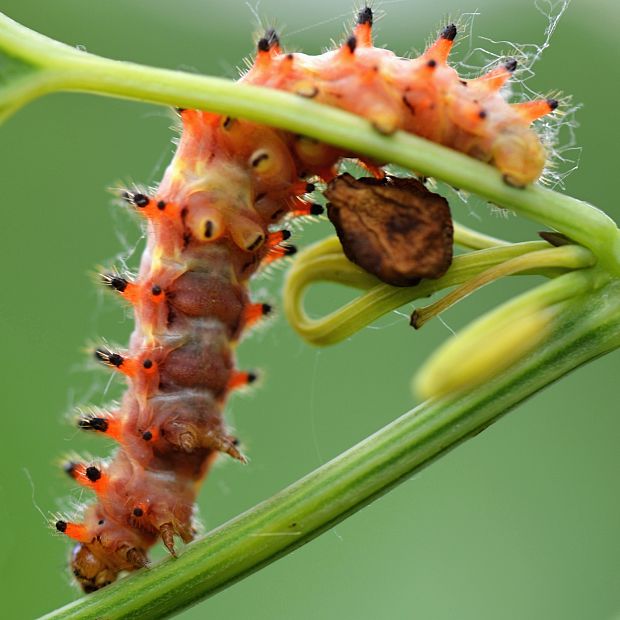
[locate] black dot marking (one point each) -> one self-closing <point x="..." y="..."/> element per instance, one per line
<point x="553" y="104"/>
<point x="179" y="110"/>
<point x="93" y="473"/>
<point x="209" y="229"/>
<point x="310" y="187"/>
<point x="228" y="121"/>
<point x="256" y="161"/>
<point x="286" y="234"/>
<point x="100" y="522"/>
<point x="140" y="200"/>
<point x="236" y="441"/>
<point x="289" y="250"/>
<point x="252" y="376"/>
<point x="138" y="512"/>
<point x="147" y="435"/>
<point x="267" y="309"/>
<point x="482" y="114"/>
<point x="256" y="243"/>
<point x="510" y="65"/>
<point x="431" y="64"/>
<point x="365" y="16"/>
<point x="260" y="196"/>
<point x="408" y="103"/>
<point x="263" y="45"/>
<point x="147" y="364"/>
<point x="352" y="43"/>
<point x="449" y="32"/>
<point x="316" y="209"/>
<point x="61" y="526"/>
<point x="463" y="82"/>
<point x="290" y="57"/>
<point x="156" y="290"/>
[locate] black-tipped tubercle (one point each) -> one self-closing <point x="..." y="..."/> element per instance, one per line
<point x="93" y="424"/>
<point x="114" y="281"/>
<point x="268" y="40"/>
<point x="511" y="64"/>
<point x="449" y="32"/>
<point x="553" y="103"/>
<point x="365" y="16"/>
<point x="139" y="200"/>
<point x="108" y="357"/>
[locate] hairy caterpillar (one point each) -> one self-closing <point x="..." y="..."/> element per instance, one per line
<point x="209" y="229"/>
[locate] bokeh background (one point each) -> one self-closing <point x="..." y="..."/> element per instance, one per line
<point x="521" y="522"/>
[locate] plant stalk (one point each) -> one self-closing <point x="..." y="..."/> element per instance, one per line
<point x="73" y="70"/>
<point x="325" y="497"/>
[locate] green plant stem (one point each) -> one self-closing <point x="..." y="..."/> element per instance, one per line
<point x="73" y="70"/>
<point x="341" y="487"/>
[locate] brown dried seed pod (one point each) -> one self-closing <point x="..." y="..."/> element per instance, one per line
<point x="394" y="228"/>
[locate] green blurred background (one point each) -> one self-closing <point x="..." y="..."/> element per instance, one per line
<point x="521" y="522"/>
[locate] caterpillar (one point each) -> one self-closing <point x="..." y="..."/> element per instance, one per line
<point x="212" y="223"/>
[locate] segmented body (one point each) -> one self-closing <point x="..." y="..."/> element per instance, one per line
<point x="210" y="227"/>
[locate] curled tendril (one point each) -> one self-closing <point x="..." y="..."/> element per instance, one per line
<point x="530" y="316"/>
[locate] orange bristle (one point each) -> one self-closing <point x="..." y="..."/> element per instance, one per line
<point x="240" y="379"/>
<point x="255" y="312"/>
<point x="439" y="51"/>
<point x="496" y="78"/>
<point x="533" y="110"/>
<point x="76" y="531"/>
<point x="363" y="28"/>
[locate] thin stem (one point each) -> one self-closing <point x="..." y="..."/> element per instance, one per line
<point x="568" y="256"/>
<point x="474" y="240"/>
<point x="325" y="261"/>
<point x="79" y="71"/>
<point x="341" y="487"/>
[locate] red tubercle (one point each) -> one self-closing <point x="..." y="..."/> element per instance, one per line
<point x="89" y="476"/>
<point x="304" y="208"/>
<point x="142" y="367"/>
<point x="438" y="52"/>
<point x="253" y="313"/>
<point x="76" y="531"/>
<point x="153" y="208"/>
<point x="363" y="28"/>
<point x="240" y="379"/>
<point x="495" y="78"/>
<point x="278" y="252"/>
<point x="531" y="111"/>
<point x="105" y="423"/>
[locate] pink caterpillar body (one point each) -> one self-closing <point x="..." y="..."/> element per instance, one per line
<point x="210" y="227"/>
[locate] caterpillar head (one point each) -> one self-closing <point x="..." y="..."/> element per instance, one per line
<point x="90" y="571"/>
